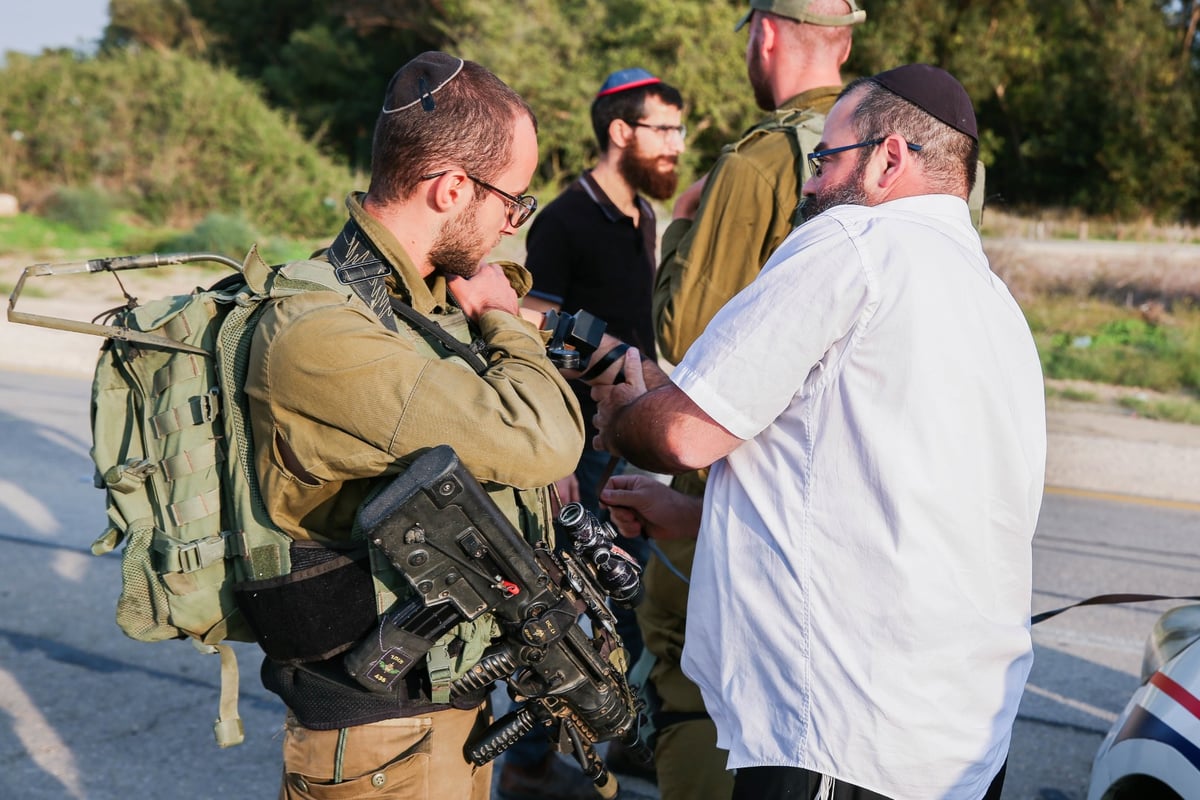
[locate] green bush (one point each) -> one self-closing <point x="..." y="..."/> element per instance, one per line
<point x="180" y="139"/>
<point x="1170" y="410"/>
<point x="85" y="208"/>
<point x="1106" y="345"/>
<point x="232" y="235"/>
<point x="557" y="54"/>
<point x="224" y="234"/>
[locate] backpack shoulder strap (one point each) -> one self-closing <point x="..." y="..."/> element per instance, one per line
<point x="804" y="127"/>
<point x="420" y="321"/>
<point x="358" y="265"/>
<point x="801" y="123"/>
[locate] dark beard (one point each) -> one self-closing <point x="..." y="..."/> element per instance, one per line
<point x="459" y="248"/>
<point x="643" y="175"/>
<point x="848" y="193"/>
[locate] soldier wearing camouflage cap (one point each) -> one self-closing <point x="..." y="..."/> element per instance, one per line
<point x="723" y="229"/>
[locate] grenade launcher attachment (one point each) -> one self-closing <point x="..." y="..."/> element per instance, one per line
<point x="442" y="531"/>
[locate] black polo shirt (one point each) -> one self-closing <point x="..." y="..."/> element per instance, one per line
<point x="585" y="254"/>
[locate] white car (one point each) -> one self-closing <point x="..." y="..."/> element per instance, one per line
<point x="1152" y="751"/>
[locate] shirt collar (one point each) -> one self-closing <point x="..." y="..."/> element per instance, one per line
<point x="941" y="205"/>
<point x="614" y="214"/>
<point x="820" y="99"/>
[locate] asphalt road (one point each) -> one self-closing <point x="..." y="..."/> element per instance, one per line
<point x="88" y="713"/>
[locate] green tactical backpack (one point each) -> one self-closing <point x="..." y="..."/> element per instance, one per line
<point x="172" y="454"/>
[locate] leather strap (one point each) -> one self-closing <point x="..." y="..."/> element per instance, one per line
<point x="1108" y="599"/>
<point x="604" y="362"/>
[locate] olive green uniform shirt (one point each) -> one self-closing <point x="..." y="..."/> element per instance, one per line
<point x="746" y="210"/>
<point x="337" y="399"/>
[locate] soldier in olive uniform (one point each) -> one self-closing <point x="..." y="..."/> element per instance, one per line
<point x="344" y="392"/>
<point x="724" y="228"/>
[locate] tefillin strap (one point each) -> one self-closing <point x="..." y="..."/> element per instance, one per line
<point x="358" y="265"/>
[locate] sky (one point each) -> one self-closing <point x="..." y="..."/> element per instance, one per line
<point x="28" y="27"/>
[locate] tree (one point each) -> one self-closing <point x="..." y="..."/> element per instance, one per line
<point x="327" y="61"/>
<point x="160" y="25"/>
<point x="556" y="55"/>
<point x="1086" y="103"/>
<point x="1080" y="102"/>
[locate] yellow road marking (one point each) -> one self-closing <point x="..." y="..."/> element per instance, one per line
<point x="1117" y="497"/>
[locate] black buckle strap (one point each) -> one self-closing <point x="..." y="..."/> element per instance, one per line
<point x="604" y="362"/>
<point x="416" y="319"/>
<point x="1107" y="599"/>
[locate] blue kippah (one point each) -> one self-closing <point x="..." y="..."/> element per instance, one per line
<point x="624" y="79"/>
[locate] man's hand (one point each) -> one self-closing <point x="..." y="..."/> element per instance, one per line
<point x="640" y="505"/>
<point x="654" y="425"/>
<point x="487" y="290"/>
<point x="611" y="400"/>
<point x="688" y="202"/>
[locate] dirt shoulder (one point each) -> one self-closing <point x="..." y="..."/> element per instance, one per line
<point x="1097" y="448"/>
<point x="79" y="297"/>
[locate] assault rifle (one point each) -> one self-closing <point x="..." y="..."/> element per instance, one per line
<point x="442" y="531"/>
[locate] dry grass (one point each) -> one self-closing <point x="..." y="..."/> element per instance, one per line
<point x="1071" y="225"/>
<point x="1118" y="320"/>
<point x="1125" y="273"/>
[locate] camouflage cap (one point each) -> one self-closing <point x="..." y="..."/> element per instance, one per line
<point x="798" y="10"/>
<point x="419" y="80"/>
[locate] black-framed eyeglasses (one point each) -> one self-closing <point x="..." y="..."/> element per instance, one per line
<point x="520" y="207"/>
<point x="815" y="157"/>
<point x="664" y="131"/>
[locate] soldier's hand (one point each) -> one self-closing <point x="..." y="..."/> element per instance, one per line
<point x="488" y="289"/>
<point x="568" y="489"/>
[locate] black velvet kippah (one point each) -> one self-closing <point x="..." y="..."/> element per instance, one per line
<point x="419" y="80"/>
<point x="934" y="91"/>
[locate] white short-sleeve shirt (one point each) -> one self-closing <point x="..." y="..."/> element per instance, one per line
<point x="861" y="590"/>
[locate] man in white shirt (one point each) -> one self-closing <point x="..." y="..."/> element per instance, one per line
<point x="872" y="406"/>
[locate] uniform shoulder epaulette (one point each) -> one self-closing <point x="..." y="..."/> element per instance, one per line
<point x="786" y="120"/>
